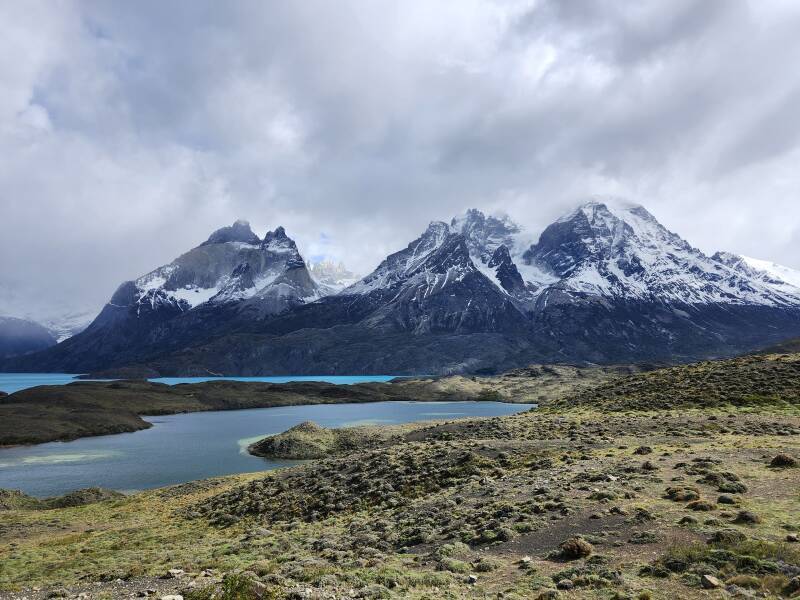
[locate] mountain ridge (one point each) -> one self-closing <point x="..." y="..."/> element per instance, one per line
<point x="602" y="284"/>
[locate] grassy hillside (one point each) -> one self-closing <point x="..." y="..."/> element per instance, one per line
<point x="611" y="493"/>
<point x="771" y="380"/>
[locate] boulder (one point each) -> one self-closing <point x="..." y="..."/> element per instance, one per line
<point x="709" y="582"/>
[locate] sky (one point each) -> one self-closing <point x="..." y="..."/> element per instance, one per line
<point x="131" y="130"/>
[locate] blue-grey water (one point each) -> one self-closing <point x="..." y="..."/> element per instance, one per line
<point x="13" y="382"/>
<point x="191" y="446"/>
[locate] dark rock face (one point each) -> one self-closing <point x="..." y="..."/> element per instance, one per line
<point x="19" y="336"/>
<point x="238" y="232"/>
<point x="507" y="272"/>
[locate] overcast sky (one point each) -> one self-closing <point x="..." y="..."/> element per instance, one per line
<point x="130" y="130"/>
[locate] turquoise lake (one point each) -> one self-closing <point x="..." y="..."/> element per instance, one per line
<point x="185" y="447"/>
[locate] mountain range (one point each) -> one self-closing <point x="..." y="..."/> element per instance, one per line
<point x="604" y="283"/>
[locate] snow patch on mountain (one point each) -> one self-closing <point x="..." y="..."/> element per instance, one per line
<point x="63" y="327"/>
<point x="780" y="272"/>
<point x="195" y="296"/>
<point x="778" y="277"/>
<point x="490" y="273"/>
<point x="613" y="251"/>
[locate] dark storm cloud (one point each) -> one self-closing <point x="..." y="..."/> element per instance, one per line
<point x="130" y="130"/>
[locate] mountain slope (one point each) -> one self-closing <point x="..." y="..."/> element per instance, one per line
<point x="433" y="285"/>
<point x="232" y="265"/>
<point x="616" y="285"/>
<point x="777" y="276"/>
<point x="601" y="285"/>
<point x="20" y="336"/>
<point x="491" y="240"/>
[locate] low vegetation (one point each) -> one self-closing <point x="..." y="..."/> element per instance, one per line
<point x="769" y="381"/>
<point x="16" y="500"/>
<point x="597" y="496"/>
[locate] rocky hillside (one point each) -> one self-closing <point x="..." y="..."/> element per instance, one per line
<point x="748" y="381"/>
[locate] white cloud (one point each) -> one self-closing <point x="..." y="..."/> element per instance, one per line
<point x="129" y="131"/>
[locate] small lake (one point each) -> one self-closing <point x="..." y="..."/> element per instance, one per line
<point x="13" y="382"/>
<point x="185" y="447"/>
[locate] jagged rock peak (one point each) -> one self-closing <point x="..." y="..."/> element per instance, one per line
<point x="238" y="232"/>
<point x="598" y="229"/>
<point x="474" y="218"/>
<point x="617" y="208"/>
<point x="278" y="241"/>
<point x="437" y="228"/>
<point x="619" y="220"/>
<point x="484" y="234"/>
<point x="333" y="275"/>
<point x="505" y="271"/>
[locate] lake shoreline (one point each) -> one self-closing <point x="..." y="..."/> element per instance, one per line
<point x="87" y="409"/>
<point x="181" y="448"/>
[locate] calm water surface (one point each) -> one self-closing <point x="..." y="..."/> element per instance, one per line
<point x="191" y="446"/>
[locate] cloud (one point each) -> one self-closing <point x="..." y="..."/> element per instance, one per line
<point x="129" y="131"/>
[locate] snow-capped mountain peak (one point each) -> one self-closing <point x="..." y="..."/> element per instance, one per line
<point x="491" y="241"/>
<point x="596" y="231"/>
<point x="435" y="284"/>
<point x="624" y="252"/>
<point x="604" y="283"/>
<point x="403" y="265"/>
<point x="233" y="265"/>
<point x="66" y="325"/>
<point x="278" y="242"/>
<point x="484" y="234"/>
<point x="603" y="250"/>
